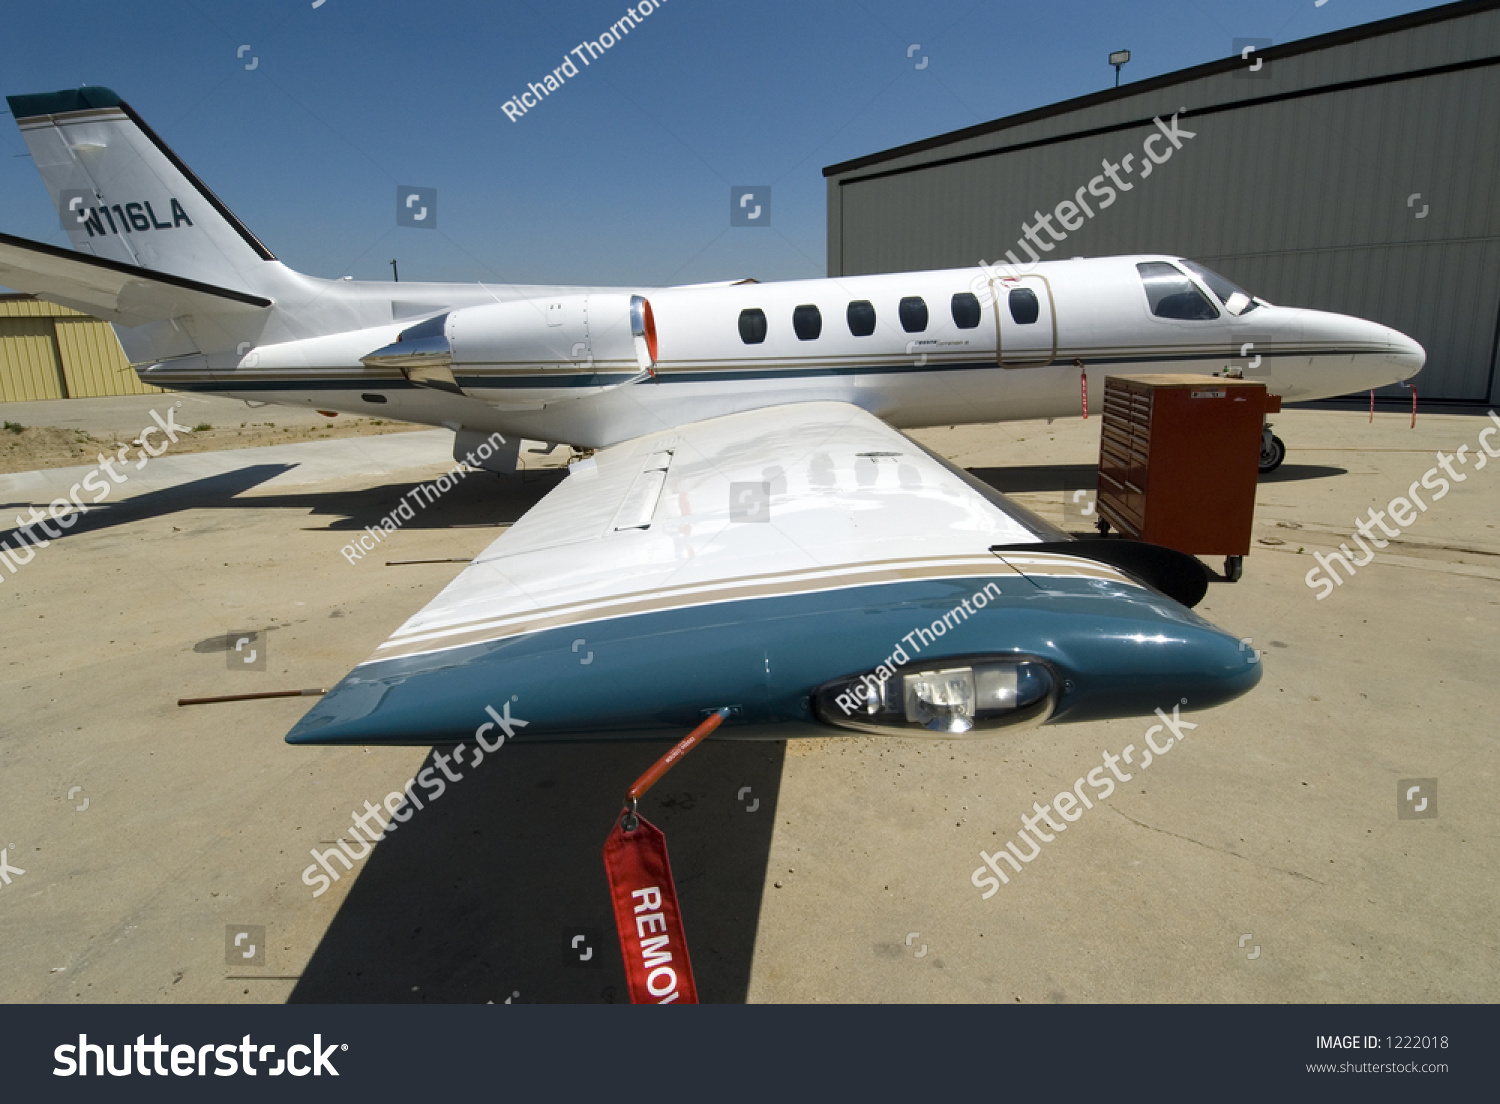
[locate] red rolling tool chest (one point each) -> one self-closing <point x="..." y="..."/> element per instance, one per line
<point x="1179" y="462"/>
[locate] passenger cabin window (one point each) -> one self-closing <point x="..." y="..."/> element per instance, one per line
<point x="807" y="322"/>
<point x="861" y="316"/>
<point x="1025" y="307"/>
<point x="913" y="312"/>
<point x="752" y="326"/>
<point x="966" y="310"/>
<point x="1173" y="295"/>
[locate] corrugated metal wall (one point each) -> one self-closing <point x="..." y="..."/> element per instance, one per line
<point x="1302" y="198"/>
<point x="51" y="352"/>
<point x="29" y="367"/>
<point x="93" y="362"/>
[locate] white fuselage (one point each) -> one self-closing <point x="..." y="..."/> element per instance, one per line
<point x="558" y="364"/>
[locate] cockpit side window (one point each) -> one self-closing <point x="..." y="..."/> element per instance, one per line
<point x="1226" y="290"/>
<point x="1172" y="295"/>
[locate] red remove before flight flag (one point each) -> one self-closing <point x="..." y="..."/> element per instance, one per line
<point x="644" y="896"/>
<point x="652" y="941"/>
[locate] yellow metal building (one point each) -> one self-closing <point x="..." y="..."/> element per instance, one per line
<point x="51" y="352"/>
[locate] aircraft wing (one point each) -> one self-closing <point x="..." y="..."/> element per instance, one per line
<point x="112" y="290"/>
<point x="744" y="561"/>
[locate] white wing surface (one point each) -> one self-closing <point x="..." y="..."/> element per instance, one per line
<point x="782" y="500"/>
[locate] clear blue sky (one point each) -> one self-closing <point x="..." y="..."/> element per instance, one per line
<point x="621" y="176"/>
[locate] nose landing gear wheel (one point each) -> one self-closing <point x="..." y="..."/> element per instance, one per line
<point x="1272" y="453"/>
<point x="1234" y="567"/>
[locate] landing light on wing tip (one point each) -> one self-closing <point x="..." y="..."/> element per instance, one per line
<point x="965" y="695"/>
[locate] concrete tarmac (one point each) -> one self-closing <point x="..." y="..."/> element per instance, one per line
<point x="1271" y="855"/>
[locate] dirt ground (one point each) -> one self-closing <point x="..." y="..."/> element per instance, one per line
<point x="32" y="448"/>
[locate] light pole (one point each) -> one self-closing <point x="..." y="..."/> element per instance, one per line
<point x="1117" y="59"/>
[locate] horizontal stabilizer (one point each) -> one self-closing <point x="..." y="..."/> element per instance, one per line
<point x="112" y="290"/>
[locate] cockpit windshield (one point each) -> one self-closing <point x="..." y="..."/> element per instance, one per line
<point x="1236" y="300"/>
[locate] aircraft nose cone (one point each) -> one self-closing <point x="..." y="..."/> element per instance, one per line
<point x="1406" y="355"/>
<point x="1363" y="355"/>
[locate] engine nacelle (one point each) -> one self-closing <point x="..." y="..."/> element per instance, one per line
<point x="609" y="332"/>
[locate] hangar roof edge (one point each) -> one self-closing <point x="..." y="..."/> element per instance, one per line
<point x="1357" y="33"/>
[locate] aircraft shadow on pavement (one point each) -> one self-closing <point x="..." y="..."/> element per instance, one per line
<point x="478" y="499"/>
<point x="1293" y="473"/>
<point x="210" y="491"/>
<point x="1072" y="477"/>
<point x="483" y="894"/>
<point x="481" y="498"/>
<point x="1037" y="478"/>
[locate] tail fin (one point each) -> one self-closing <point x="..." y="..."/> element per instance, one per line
<point x="124" y="196"/>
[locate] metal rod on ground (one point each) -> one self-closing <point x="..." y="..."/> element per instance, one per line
<point x="252" y="697"/>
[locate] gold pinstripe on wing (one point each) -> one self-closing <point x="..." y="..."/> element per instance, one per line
<point x="458" y="634"/>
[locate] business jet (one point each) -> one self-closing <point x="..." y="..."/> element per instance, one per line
<point x="753" y="532"/>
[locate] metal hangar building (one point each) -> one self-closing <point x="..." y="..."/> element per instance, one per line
<point x="1358" y="172"/>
